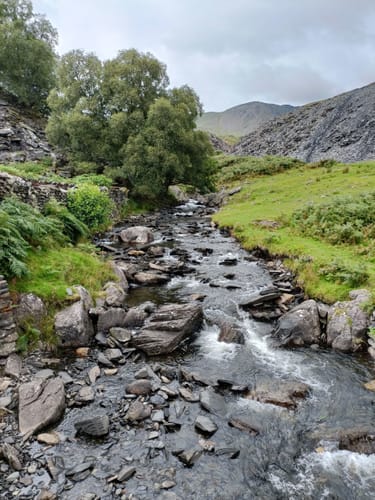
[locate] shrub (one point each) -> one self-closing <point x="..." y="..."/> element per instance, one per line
<point x="74" y="229"/>
<point x="96" y="179"/>
<point x="91" y="205"/>
<point x="346" y="274"/>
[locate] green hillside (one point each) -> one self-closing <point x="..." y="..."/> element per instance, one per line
<point x="320" y="216"/>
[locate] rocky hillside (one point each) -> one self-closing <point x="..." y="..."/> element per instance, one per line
<point x="342" y="128"/>
<point x="21" y="135"/>
<point x="241" y="120"/>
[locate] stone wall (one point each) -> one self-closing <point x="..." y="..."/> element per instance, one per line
<point x="8" y="333"/>
<point x="38" y="194"/>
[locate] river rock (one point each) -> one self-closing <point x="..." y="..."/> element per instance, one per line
<point x="348" y="323"/>
<point x="112" y="317"/>
<point x="13" y="366"/>
<point x="300" y="326"/>
<point x="120" y="273"/>
<point x="95" y="426"/>
<point x="11" y="455"/>
<point x="244" y="423"/>
<point x="126" y="473"/>
<point x="122" y="335"/>
<point x="167" y="327"/>
<point x="260" y="297"/>
<point x="138" y="411"/>
<point x="140" y="387"/>
<point x="73" y="326"/>
<point x="85" y="395"/>
<point x="114" y="294"/>
<point x="136" y="316"/>
<point x="205" y="424"/>
<point x="41" y="403"/>
<point x="150" y="278"/>
<point x="213" y="402"/>
<point x="189" y="457"/>
<point x="137" y="235"/>
<point x="279" y="393"/>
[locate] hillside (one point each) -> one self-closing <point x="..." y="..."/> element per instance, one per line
<point x="241" y="120"/>
<point x="342" y="128"/>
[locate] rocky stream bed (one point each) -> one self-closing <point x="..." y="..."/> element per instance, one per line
<point x="185" y="391"/>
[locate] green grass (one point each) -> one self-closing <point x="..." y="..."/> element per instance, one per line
<point x="35" y="171"/>
<point x="52" y="271"/>
<point x="260" y="216"/>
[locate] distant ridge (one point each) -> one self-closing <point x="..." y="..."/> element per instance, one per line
<point x="342" y="128"/>
<point x="242" y="119"/>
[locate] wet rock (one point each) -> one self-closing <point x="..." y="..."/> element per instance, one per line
<point x="136" y="316"/>
<point x="156" y="251"/>
<point x="300" y="326"/>
<point x="150" y="278"/>
<point x="85" y="395"/>
<point x="188" y="395"/>
<point x="80" y="471"/>
<point x="50" y="438"/>
<point x="109" y="318"/>
<point x="140" y="387"/>
<point x="348" y="323"/>
<point x="205" y="425"/>
<point x="213" y="402"/>
<point x="73" y="326"/>
<point x="103" y="360"/>
<point x="167" y="327"/>
<point x="137" y="235"/>
<point x="95" y="426"/>
<point x="122" y="335"/>
<point x="229" y="260"/>
<point x="231" y="334"/>
<point x="125" y="473"/>
<point x="113" y="355"/>
<point x="230" y="451"/>
<point x="93" y="374"/>
<point x="138" y="411"/>
<point x="244" y="423"/>
<point x="41" y="403"/>
<point x="189" y="457"/>
<point x="261" y="297"/>
<point x="114" y="294"/>
<point x="11" y="455"/>
<point x="358" y="439"/>
<point x="158" y="416"/>
<point x="280" y="393"/>
<point x="13" y="366"/>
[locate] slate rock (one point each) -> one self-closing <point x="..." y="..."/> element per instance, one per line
<point x="41" y="403"/>
<point x="167" y="327"/>
<point x="109" y="318"/>
<point x="213" y="402"/>
<point x="114" y="294"/>
<point x="140" y="387"/>
<point x="95" y="426"/>
<point x="138" y="411"/>
<point x="205" y="424"/>
<point x="13" y="366"/>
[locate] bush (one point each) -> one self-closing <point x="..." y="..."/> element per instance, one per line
<point x="96" y="179"/>
<point x="90" y="205"/>
<point x="345" y="219"/>
<point x="74" y="229"/>
<point x="345" y="274"/>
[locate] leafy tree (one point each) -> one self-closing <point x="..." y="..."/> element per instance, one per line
<point x="27" y="57"/>
<point x="168" y="149"/>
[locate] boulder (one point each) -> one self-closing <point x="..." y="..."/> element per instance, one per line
<point x="300" y="326"/>
<point x="280" y="393"/>
<point x="109" y="318"/>
<point x="136" y="316"/>
<point x="167" y="327"/>
<point x="140" y="235"/>
<point x="41" y="403"/>
<point x="30" y="308"/>
<point x="120" y="273"/>
<point x="348" y="323"/>
<point x="114" y="294"/>
<point x="73" y="326"/>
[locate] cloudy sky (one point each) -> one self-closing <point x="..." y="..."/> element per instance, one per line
<point x="232" y="51"/>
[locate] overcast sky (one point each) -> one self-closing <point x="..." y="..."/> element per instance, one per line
<point x="232" y="51"/>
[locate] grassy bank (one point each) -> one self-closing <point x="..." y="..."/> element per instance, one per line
<point x="280" y="208"/>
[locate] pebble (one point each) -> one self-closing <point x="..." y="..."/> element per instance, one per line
<point x="50" y="438"/>
<point x="126" y="473"/>
<point x="93" y="374"/>
<point x="140" y="387"/>
<point x="205" y="425"/>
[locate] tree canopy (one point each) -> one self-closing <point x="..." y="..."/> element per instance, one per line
<point x="27" y="57"/>
<point x="120" y="113"/>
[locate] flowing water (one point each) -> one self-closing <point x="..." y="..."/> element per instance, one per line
<point x="291" y="457"/>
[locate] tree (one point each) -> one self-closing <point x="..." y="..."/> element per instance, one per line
<point x="168" y="149"/>
<point x="77" y="118"/>
<point x="27" y="57"/>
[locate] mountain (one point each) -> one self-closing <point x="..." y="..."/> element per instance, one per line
<point x="242" y="119"/>
<point x="342" y="128"/>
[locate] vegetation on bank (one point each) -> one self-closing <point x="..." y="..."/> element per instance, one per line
<point x="319" y="216"/>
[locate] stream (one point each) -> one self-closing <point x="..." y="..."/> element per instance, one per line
<point x="290" y="455"/>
